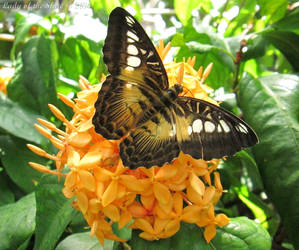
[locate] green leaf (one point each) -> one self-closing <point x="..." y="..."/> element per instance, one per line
<point x="240" y="233"/>
<point x="17" y="222"/>
<point x="15" y="157"/>
<point x="251" y="170"/>
<point x="270" y="105"/>
<point x="34" y="83"/>
<point x="81" y="241"/>
<point x="53" y="212"/>
<point x="184" y="9"/>
<point x="289" y="22"/>
<point x="23" y="26"/>
<point x="18" y="120"/>
<point x="257" y="46"/>
<point x="6" y="194"/>
<point x="39" y="68"/>
<point x="287" y="43"/>
<point x="80" y="56"/>
<point x="262" y="212"/>
<point x="206" y="54"/>
<point x="275" y="9"/>
<point x="124" y="233"/>
<point x="246" y="15"/>
<point x="17" y="91"/>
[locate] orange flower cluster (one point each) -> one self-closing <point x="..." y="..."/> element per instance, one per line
<point x="5" y="76"/>
<point x="153" y="200"/>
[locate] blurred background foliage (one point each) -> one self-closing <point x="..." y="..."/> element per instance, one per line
<point x="254" y="46"/>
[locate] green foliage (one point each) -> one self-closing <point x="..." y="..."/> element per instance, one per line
<point x="53" y="212"/>
<point x="263" y="87"/>
<point x="246" y="234"/>
<point x="80" y="241"/>
<point x="278" y="130"/>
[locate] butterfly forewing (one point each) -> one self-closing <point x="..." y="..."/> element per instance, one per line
<point x="130" y="55"/>
<point x="207" y="131"/>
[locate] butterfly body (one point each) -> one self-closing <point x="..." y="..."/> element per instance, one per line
<point x="156" y="123"/>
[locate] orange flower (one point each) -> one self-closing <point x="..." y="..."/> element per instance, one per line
<point x="5" y="76"/>
<point x="106" y="191"/>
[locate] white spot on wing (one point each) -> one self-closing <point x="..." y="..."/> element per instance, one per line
<point x="242" y="128"/>
<point x="129" y="68"/>
<point x="197" y="126"/>
<point x="130" y="40"/>
<point x="219" y="128"/>
<point x="189" y="130"/>
<point x="133" y="61"/>
<point x="130" y="34"/>
<point x="172" y="131"/>
<point x="143" y="51"/>
<point x="129" y="85"/>
<point x="209" y="127"/>
<point x="132" y="50"/>
<point x="224" y="126"/>
<point x="130" y="20"/>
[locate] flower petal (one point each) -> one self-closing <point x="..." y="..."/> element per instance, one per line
<point x="166" y="172"/>
<point x="210" y="232"/>
<point x="193" y="196"/>
<point x="143" y="225"/>
<point x="137" y="210"/>
<point x="79" y="140"/>
<point x="191" y="214"/>
<point x="71" y="179"/>
<point x="102" y="174"/>
<point x="90" y="160"/>
<point x="110" y="193"/>
<point x="147" y="236"/>
<point x="171" y="228"/>
<point x="87" y="180"/>
<point x="162" y="193"/>
<point x="221" y="220"/>
<point x="132" y="183"/>
<point x="148" y="201"/>
<point x="196" y="183"/>
<point x="125" y="218"/>
<point x="73" y="158"/>
<point x="208" y="195"/>
<point x="112" y="212"/>
<point x="82" y="201"/>
<point x="94" y="205"/>
<point x="178" y="203"/>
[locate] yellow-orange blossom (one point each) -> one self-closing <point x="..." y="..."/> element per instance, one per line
<point x="104" y="188"/>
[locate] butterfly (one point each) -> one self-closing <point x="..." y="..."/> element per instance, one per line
<point x="135" y="103"/>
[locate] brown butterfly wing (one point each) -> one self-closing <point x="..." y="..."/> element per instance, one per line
<point x="137" y="77"/>
<point x="151" y="144"/>
<point x="206" y="131"/>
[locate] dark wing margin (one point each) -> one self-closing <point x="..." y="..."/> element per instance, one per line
<point x="206" y="131"/>
<point x="129" y="53"/>
<point x="152" y="144"/>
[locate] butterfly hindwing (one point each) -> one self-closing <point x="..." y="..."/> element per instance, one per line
<point x="206" y="131"/>
<point x="151" y="144"/>
<point x="130" y="55"/>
